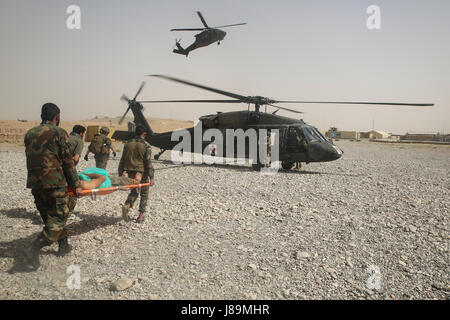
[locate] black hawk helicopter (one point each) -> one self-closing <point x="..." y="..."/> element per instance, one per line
<point x="298" y="141"/>
<point x="208" y="36"/>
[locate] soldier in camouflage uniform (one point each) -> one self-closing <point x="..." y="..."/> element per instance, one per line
<point x="136" y="160"/>
<point x="50" y="170"/>
<point x="76" y="146"/>
<point x="102" y="154"/>
<point x="76" y="142"/>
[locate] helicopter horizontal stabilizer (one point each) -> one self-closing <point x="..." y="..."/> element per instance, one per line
<point x="183" y="52"/>
<point x="122" y="135"/>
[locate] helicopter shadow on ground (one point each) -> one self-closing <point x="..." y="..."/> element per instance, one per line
<point x="14" y="248"/>
<point x="246" y="168"/>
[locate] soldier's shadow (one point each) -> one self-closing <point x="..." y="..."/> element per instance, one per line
<point x="14" y="248"/>
<point x="22" y="213"/>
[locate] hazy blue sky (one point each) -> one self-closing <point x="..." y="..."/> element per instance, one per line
<point x="307" y="50"/>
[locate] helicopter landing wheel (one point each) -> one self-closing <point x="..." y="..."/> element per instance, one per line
<point x="218" y="43"/>
<point x="156" y="156"/>
<point x="287" y="165"/>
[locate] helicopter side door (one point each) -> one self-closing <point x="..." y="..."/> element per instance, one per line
<point x="296" y="142"/>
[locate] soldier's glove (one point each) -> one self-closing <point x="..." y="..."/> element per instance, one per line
<point x="114" y="153"/>
<point x="79" y="192"/>
<point x="86" y="158"/>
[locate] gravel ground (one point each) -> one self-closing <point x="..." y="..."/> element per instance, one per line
<point x="226" y="232"/>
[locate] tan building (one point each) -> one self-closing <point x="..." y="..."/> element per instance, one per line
<point x="349" y="135"/>
<point x="377" y="134"/>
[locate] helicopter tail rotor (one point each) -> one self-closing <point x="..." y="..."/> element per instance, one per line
<point x="130" y="102"/>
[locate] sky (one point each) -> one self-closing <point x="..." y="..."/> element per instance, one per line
<point x="289" y="50"/>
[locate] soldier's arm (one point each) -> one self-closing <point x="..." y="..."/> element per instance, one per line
<point x="76" y="159"/>
<point x="67" y="161"/>
<point x="89" y="150"/>
<point x="78" y="151"/>
<point x="108" y="143"/>
<point x="111" y="146"/>
<point x="148" y="166"/>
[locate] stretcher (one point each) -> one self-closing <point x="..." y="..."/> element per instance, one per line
<point x="104" y="191"/>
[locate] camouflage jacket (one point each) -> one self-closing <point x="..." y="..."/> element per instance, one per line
<point x="76" y="144"/>
<point x="49" y="160"/>
<point x="136" y="156"/>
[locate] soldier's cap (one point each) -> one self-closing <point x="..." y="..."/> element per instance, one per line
<point x="104" y="130"/>
<point x="49" y="111"/>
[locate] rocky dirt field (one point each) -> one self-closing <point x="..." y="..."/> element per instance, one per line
<point x="371" y="225"/>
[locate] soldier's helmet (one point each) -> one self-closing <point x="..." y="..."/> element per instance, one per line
<point x="104" y="130"/>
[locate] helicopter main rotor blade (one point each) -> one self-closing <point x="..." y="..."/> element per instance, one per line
<point x="193" y="101"/>
<point x="282" y="108"/>
<point x="188" y="29"/>
<point x="225" y="93"/>
<point x="230" y="25"/>
<point x="139" y="90"/>
<point x="125" y="98"/>
<point x="357" y="102"/>
<point x="203" y="20"/>
<point x="123" y="117"/>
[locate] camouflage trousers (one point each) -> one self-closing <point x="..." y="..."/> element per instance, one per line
<point x="101" y="160"/>
<point x="134" y="193"/>
<point x="120" y="181"/>
<point x="53" y="206"/>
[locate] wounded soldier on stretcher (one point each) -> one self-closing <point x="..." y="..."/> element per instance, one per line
<point x="93" y="178"/>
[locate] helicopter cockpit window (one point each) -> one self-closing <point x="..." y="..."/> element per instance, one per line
<point x="300" y="135"/>
<point x="320" y="134"/>
<point x="312" y="134"/>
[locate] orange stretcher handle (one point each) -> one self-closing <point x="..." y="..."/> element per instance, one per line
<point x="104" y="191"/>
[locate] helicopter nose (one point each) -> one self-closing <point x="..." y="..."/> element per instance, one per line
<point x="223" y="34"/>
<point x="336" y="153"/>
<point x="323" y="151"/>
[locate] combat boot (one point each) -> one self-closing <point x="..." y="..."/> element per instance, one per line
<point x="32" y="252"/>
<point x="64" y="247"/>
<point x="141" y="218"/>
<point x="125" y="210"/>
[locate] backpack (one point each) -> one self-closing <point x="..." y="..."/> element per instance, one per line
<point x="96" y="145"/>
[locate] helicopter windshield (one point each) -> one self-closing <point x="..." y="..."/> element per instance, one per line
<point x="312" y="134"/>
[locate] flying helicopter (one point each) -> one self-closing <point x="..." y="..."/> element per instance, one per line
<point x="298" y="141"/>
<point x="208" y="36"/>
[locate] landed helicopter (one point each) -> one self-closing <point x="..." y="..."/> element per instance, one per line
<point x="298" y="141"/>
<point x="208" y="36"/>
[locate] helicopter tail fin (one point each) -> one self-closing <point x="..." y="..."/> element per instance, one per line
<point x="180" y="50"/>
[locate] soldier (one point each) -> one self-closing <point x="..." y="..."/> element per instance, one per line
<point x="50" y="170"/>
<point x="76" y="149"/>
<point x="136" y="160"/>
<point x="76" y="142"/>
<point x="100" y="147"/>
